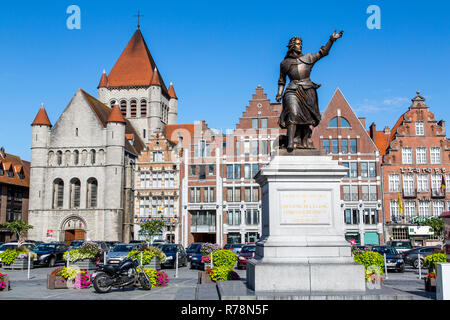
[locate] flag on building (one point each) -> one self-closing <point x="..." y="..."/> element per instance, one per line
<point x="443" y="184"/>
<point x="400" y="205"/>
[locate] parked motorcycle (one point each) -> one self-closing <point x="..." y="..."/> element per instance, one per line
<point x="119" y="276"/>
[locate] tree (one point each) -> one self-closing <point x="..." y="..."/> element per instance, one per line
<point x="19" y="227"/>
<point x="151" y="228"/>
<point x="437" y="224"/>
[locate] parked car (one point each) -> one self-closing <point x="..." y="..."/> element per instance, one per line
<point x="247" y="252"/>
<point x="170" y="250"/>
<point x="411" y="257"/>
<point x="120" y="251"/>
<point x="14" y="245"/>
<point x="401" y="246"/>
<point x="193" y="249"/>
<point x="75" y="244"/>
<point x="159" y="241"/>
<point x="236" y="247"/>
<point x="196" y="261"/>
<point x="111" y="244"/>
<point x="48" y="254"/>
<point x="393" y="259"/>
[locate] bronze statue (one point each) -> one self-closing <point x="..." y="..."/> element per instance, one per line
<point x="300" y="102"/>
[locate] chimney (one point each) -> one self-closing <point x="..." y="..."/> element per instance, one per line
<point x="373" y="130"/>
<point x="387" y="130"/>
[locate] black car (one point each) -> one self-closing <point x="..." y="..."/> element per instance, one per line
<point x="411" y="257"/>
<point x="170" y="250"/>
<point x="49" y="254"/>
<point x="196" y="262"/>
<point x="75" y="244"/>
<point x="393" y="259"/>
<point x="193" y="249"/>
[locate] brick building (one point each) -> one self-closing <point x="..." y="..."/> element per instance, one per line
<point x="415" y="162"/>
<point x="14" y="189"/>
<point x="343" y="135"/>
<point x="157" y="187"/>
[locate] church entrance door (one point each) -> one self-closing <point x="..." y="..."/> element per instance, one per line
<point x="72" y="235"/>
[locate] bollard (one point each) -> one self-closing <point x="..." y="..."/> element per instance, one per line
<point x="141" y="260"/>
<point x="385" y="266"/>
<point x="420" y="267"/>
<point x="176" y="265"/>
<point x="68" y="259"/>
<point x="29" y="262"/>
<point x="104" y="257"/>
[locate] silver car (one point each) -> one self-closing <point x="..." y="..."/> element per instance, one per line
<point x="119" y="252"/>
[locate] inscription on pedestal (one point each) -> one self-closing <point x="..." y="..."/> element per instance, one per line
<point x="305" y="206"/>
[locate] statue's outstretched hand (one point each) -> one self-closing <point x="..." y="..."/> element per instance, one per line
<point x="336" y="36"/>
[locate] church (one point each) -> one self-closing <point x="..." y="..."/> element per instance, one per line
<point x="83" y="167"/>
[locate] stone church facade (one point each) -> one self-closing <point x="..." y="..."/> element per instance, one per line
<point x="83" y="168"/>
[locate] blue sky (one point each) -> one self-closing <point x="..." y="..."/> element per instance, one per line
<point x="217" y="52"/>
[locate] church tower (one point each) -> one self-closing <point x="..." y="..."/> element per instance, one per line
<point x="137" y="87"/>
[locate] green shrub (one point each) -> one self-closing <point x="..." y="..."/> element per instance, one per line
<point x="431" y="260"/>
<point x="151" y="273"/>
<point x="8" y="256"/>
<point x="148" y="252"/>
<point x="224" y="258"/>
<point x="221" y="273"/>
<point x="370" y="260"/>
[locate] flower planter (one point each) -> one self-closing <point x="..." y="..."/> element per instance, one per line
<point x="203" y="278"/>
<point x="56" y="282"/>
<point x="430" y="284"/>
<point x="154" y="264"/>
<point x="8" y="284"/>
<point x="84" y="264"/>
<point x="19" y="264"/>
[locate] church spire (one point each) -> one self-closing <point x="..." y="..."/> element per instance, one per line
<point x="172" y="92"/>
<point x="103" y="80"/>
<point x="155" y="79"/>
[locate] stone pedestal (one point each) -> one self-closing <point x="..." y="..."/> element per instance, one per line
<point x="302" y="247"/>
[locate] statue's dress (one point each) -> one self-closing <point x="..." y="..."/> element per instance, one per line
<point x="300" y="102"/>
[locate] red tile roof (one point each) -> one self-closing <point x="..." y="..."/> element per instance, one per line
<point x="116" y="115"/>
<point x="169" y="130"/>
<point x="10" y="161"/>
<point x="42" y="118"/>
<point x="156" y="81"/>
<point x="172" y="91"/>
<point x="103" y="81"/>
<point x="135" y="66"/>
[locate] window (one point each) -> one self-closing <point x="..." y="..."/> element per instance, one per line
<point x="194" y="194"/>
<point x="370" y="216"/>
<point x="435" y="155"/>
<point x="255" y="123"/>
<point x="233" y="194"/>
<point x="247" y="171"/>
<point x="369" y="193"/>
<point x="193" y="170"/>
<point x="345" y="164"/>
<point x="59" y="158"/>
<point x="350" y="193"/>
<point x="92" y="155"/>
<point x="409" y="209"/>
<point x="156" y="205"/>
<point x="1" y="172"/>
<point x="237" y="148"/>
<point x="326" y="145"/>
<point x="237" y="171"/>
<point x="123" y="107"/>
<point x="255" y="169"/>
<point x="157" y="179"/>
<point x="345" y="123"/>
<point x="144" y="206"/>
<point x="424" y="209"/>
<point x="229" y="171"/>
<point x="422" y="183"/>
<point x="364" y="169"/>
<point x="157" y="156"/>
<point x="58" y="193"/>
<point x="333" y="123"/>
<point x="394" y="210"/>
<point x="251" y="217"/>
<point x="144" y="108"/>
<point x="246" y="148"/>
<point x="234" y="217"/>
<point x="251" y="194"/>
<point x="210" y="169"/>
<point x="436" y="180"/>
<point x="264" y="147"/>
<point x="351" y="216"/>
<point x="438" y="208"/>
<point x="255" y="147"/>
<point x="202" y="172"/>
<point x="408" y="184"/>
<point x="394" y="182"/>
<point x="420" y="128"/>
<point x="208" y="194"/>
<point x="353" y="148"/>
<point x="263" y="123"/>
<point x="204" y="149"/>
<point x="344" y="146"/>
<point x="13" y="204"/>
<point x="421" y="155"/>
<point x="447" y="182"/>
<point x="145" y="179"/>
<point x="372" y="170"/>
<point x="334" y="146"/>
<point x="407" y="155"/>
<point x="75" y="187"/>
<point x="133" y="108"/>
<point x="92" y="187"/>
<point x="76" y="157"/>
<point x="353" y="169"/>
